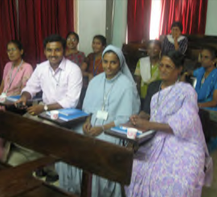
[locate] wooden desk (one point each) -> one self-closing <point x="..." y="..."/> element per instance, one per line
<point x="88" y="153"/>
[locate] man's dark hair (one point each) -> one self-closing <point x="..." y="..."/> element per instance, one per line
<point x="177" y="24"/>
<point x="101" y="38"/>
<point x="55" y="38"/>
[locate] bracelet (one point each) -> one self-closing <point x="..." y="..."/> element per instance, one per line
<point x="103" y="128"/>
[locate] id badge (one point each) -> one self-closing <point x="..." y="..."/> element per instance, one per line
<point x="3" y="94"/>
<point x="102" y="115"/>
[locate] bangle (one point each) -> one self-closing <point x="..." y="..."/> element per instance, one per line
<point x="103" y="128"/>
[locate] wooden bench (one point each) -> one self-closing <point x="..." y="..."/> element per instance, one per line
<point x="90" y="154"/>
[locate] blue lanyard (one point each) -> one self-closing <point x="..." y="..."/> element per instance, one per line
<point x="97" y="66"/>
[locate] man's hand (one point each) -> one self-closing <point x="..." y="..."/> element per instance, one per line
<point x="21" y="103"/>
<point x="35" y="110"/>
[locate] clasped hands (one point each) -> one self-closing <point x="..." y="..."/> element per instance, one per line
<point x="140" y="122"/>
<point x="91" y="131"/>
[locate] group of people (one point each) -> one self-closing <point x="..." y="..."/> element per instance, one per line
<point x="175" y="162"/>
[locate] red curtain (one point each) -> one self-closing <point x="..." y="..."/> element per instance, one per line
<point x="40" y="18"/>
<point x="8" y="29"/>
<point x="138" y="20"/>
<point x="192" y="14"/>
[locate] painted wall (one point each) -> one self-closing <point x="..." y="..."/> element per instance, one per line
<point x="120" y="23"/>
<point x="91" y="21"/>
<point x="211" y="25"/>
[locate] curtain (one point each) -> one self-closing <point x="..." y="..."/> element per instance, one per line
<point x="191" y="13"/>
<point x="138" y="20"/>
<point x="40" y="18"/>
<point x="8" y="29"/>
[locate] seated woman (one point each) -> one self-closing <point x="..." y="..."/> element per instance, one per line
<point x="72" y="53"/>
<point x="206" y="86"/>
<point x="111" y="99"/>
<point x="147" y="67"/>
<point x="16" y="72"/>
<point x="92" y="65"/>
<point x="175" y="161"/>
<point x="175" y="41"/>
<point x="15" y="75"/>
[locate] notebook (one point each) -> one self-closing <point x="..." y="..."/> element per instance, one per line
<point x="141" y="136"/>
<point x="71" y="114"/>
<point x="13" y="98"/>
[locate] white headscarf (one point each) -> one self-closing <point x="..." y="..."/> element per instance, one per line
<point x="123" y="64"/>
<point x="125" y="70"/>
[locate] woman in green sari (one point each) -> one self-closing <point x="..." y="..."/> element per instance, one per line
<point x="147" y="67"/>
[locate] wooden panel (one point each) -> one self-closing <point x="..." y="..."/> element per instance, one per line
<point x="95" y="156"/>
<point x="45" y="191"/>
<point x="16" y="180"/>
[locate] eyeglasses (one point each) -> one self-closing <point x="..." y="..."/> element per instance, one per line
<point x="12" y="49"/>
<point x="71" y="39"/>
<point x="168" y="67"/>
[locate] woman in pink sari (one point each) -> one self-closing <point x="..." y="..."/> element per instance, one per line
<point x="176" y="161"/>
<point x="15" y="75"/>
<point x="16" y="72"/>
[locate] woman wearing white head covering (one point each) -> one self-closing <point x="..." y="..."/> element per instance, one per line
<point x="111" y="99"/>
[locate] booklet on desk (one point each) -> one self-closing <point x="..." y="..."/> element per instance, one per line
<point x="17" y="97"/>
<point x="70" y="114"/>
<point x="141" y="136"/>
<point x="13" y="98"/>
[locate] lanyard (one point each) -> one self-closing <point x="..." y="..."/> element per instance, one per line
<point x="97" y="66"/>
<point x="162" y="100"/>
<point x="12" y="78"/>
<point x="105" y="96"/>
<point x="57" y="81"/>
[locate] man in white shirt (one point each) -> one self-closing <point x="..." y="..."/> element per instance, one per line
<point x="58" y="78"/>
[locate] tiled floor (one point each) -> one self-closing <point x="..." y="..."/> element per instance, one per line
<point x="212" y="191"/>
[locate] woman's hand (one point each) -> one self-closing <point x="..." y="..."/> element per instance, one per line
<point x="86" y="127"/>
<point x="95" y="131"/>
<point x="140" y="123"/>
<point x="35" y="110"/>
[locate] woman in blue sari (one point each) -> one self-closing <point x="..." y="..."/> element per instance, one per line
<point x="206" y="86"/>
<point x="111" y="99"/>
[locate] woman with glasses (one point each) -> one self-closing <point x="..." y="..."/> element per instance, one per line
<point x="72" y="53"/>
<point x="176" y="161"/>
<point x="16" y="72"/>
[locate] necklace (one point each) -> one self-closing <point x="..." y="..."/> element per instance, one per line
<point x="13" y="77"/>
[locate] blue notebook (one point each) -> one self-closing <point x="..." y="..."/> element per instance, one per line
<point x="69" y="111"/>
<point x="140" y="134"/>
<point x="13" y="98"/>
<point x="76" y="114"/>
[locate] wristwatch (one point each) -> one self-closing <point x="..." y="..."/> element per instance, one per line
<point x="45" y="107"/>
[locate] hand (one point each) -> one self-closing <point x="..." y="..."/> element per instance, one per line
<point x="35" y="110"/>
<point x="133" y="119"/>
<point x="140" y="123"/>
<point x="21" y="103"/>
<point x="95" y="131"/>
<point x="86" y="127"/>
